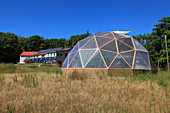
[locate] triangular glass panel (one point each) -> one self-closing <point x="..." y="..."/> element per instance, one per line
<point x="101" y="41"/>
<point x="70" y="57"/>
<point x="123" y="47"/>
<point x="65" y="63"/>
<point x="139" y="46"/>
<point x="139" y="63"/>
<point x="97" y="33"/>
<point x="145" y="56"/>
<point x="96" y="62"/>
<point x="108" y="34"/>
<point x="91" y="44"/>
<point x="127" y="41"/>
<point x="128" y="56"/>
<point x="119" y="63"/>
<point x="82" y="42"/>
<point x="86" y="55"/>
<point x="120" y="35"/>
<point x="76" y="63"/>
<point x="74" y="49"/>
<point x="111" y="46"/>
<point x="108" y="57"/>
<point x="89" y="37"/>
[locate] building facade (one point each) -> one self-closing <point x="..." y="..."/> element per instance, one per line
<point x="26" y="55"/>
<point x="56" y="55"/>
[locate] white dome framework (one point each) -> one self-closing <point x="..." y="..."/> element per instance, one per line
<point x="109" y="50"/>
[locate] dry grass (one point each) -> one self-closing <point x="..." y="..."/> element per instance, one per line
<point x="48" y="92"/>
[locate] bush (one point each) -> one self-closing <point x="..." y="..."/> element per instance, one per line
<point x="27" y="60"/>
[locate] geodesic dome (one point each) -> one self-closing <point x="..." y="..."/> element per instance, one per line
<point x="108" y="50"/>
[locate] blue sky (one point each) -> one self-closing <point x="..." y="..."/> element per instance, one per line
<point x="64" y="18"/>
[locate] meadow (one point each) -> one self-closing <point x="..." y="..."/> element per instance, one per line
<point x="30" y="88"/>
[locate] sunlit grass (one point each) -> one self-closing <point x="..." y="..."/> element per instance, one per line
<point x="46" y="89"/>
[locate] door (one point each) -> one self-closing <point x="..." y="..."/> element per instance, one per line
<point x="59" y="63"/>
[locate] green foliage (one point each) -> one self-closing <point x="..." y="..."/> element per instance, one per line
<point x="161" y="80"/>
<point x="10" y="109"/>
<point x="52" y="70"/>
<point x="35" y="43"/>
<point x="2" y="80"/>
<point x="22" y="44"/>
<point x="155" y="42"/>
<point x="54" y="43"/>
<point x="11" y="46"/>
<point x="8" y="47"/>
<point x="30" y="81"/>
<point x="75" y="38"/>
<point x="32" y="66"/>
<point x="7" y="68"/>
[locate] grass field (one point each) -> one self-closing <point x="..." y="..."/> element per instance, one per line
<point x="30" y="88"/>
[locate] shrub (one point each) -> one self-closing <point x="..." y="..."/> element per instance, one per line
<point x="27" y="60"/>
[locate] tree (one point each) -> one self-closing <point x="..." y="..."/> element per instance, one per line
<point x="61" y="42"/>
<point x="161" y="29"/>
<point x="22" y="44"/>
<point x="8" y="47"/>
<point x="54" y="43"/>
<point x="155" y="42"/>
<point x="35" y="43"/>
<point x="76" y="38"/>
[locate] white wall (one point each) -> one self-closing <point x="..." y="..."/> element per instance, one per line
<point x="40" y="56"/>
<point x="46" y="55"/>
<point x="53" y="54"/>
<point x="49" y="54"/>
<point x="22" y="58"/>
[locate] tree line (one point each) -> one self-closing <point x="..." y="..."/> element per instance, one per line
<point x="155" y="42"/>
<point x="12" y="45"/>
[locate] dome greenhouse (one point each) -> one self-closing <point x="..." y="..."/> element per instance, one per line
<point x="108" y="50"/>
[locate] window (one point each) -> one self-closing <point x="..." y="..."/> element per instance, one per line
<point x="60" y="54"/>
<point x="57" y="54"/>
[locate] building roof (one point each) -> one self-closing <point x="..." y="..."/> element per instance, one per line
<point x="26" y="53"/>
<point x="42" y="53"/>
<point x="49" y="50"/>
<point x="65" y="49"/>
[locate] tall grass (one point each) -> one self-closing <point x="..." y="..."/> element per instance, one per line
<point x="46" y="89"/>
<point x="30" y="81"/>
<point x="55" y="93"/>
<point x="162" y="79"/>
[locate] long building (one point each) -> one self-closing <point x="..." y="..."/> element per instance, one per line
<point x="55" y="55"/>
